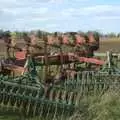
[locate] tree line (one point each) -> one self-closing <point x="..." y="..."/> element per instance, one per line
<point x="40" y="33"/>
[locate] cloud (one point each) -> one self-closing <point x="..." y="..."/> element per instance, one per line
<point x="107" y="17"/>
<point x="57" y="14"/>
<point x="92" y="10"/>
<point x="50" y="27"/>
<point x="55" y="1"/>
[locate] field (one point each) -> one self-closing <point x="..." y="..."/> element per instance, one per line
<point x="111" y="44"/>
<point x="104" y="108"/>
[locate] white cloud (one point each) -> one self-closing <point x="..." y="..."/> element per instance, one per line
<point x="56" y="14"/>
<point x="107" y="17"/>
<point x="55" y="1"/>
<point x="52" y="25"/>
<point x="92" y="10"/>
<point x="101" y="9"/>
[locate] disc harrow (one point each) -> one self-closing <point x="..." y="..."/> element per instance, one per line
<point x="88" y="82"/>
<point x="95" y="81"/>
<point x="54" y="95"/>
<point x="33" y="100"/>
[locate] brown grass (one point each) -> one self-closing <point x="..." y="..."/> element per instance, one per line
<point x="110" y="44"/>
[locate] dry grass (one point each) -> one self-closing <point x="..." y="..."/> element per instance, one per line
<point x="110" y="44"/>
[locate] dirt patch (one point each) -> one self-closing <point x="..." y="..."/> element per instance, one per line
<point x="112" y="44"/>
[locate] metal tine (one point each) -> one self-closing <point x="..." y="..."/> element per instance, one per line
<point x="55" y="113"/>
<point x="3" y="97"/>
<point x="48" y="112"/>
<point x="84" y="81"/>
<point x="36" y="103"/>
<point x="22" y="102"/>
<point x="95" y="86"/>
<point x="15" y="105"/>
<point x="81" y="84"/>
<point x="62" y="115"/>
<point x="42" y="108"/>
<point x="51" y="97"/>
<point x="28" y="105"/>
<point x="10" y="98"/>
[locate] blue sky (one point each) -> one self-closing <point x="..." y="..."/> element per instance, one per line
<point x="60" y="15"/>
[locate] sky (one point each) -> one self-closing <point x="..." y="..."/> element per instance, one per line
<point x="60" y="15"/>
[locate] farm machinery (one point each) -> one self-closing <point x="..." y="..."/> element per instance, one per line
<point x="78" y="73"/>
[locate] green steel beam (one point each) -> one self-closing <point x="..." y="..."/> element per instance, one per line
<point x="105" y="54"/>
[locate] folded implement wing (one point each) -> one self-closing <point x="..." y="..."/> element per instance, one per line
<point x="87" y="60"/>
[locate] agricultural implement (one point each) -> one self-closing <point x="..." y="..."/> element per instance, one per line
<point x="27" y="94"/>
<point x="94" y="82"/>
<point x="32" y="99"/>
<point x="31" y="94"/>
